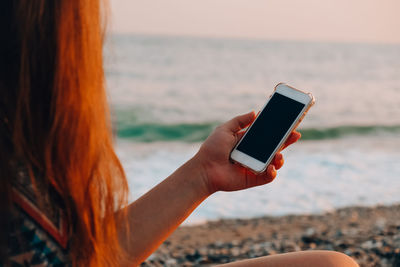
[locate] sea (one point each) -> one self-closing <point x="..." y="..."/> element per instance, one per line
<point x="168" y="93"/>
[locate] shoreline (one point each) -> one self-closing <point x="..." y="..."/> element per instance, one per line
<point x="370" y="235"/>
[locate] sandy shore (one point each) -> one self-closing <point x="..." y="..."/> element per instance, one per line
<point x="370" y="235"/>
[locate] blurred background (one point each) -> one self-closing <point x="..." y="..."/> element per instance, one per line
<point x="176" y="69"/>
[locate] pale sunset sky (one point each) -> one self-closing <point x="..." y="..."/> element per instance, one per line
<point x="306" y="20"/>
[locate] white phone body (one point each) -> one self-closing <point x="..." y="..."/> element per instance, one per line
<point x="291" y="121"/>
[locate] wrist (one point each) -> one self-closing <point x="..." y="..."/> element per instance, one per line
<point x="202" y="167"/>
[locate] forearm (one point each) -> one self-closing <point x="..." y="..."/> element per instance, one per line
<point x="154" y="216"/>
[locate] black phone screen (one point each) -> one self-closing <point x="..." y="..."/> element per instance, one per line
<point x="270" y="127"/>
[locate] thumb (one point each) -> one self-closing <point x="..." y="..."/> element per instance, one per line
<point x="240" y="122"/>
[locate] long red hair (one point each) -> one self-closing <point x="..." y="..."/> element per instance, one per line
<point x="54" y="115"/>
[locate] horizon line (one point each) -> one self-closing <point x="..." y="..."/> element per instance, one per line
<point x="251" y="38"/>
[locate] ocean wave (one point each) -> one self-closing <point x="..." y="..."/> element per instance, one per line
<point x="197" y="132"/>
<point x="347" y="130"/>
<point x="148" y="132"/>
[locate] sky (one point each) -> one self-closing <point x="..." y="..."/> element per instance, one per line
<point x="306" y="20"/>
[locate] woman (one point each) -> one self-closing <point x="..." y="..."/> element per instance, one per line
<point x="63" y="189"/>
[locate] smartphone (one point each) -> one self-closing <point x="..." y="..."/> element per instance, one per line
<point x="284" y="110"/>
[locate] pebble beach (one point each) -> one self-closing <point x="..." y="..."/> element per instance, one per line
<point x="370" y="235"/>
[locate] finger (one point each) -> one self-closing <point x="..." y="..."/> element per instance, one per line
<point x="239" y="135"/>
<point x="269" y="175"/>
<point x="260" y="179"/>
<point x="239" y="122"/>
<point x="271" y="172"/>
<point x="278" y="161"/>
<point x="293" y="138"/>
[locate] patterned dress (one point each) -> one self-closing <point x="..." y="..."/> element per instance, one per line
<point x="38" y="235"/>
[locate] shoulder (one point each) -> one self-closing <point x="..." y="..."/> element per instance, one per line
<point x="38" y="225"/>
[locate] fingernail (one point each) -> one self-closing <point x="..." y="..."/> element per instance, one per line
<point x="273" y="169"/>
<point x="273" y="172"/>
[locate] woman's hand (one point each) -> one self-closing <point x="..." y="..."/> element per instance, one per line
<point x="220" y="173"/>
<point x="156" y="214"/>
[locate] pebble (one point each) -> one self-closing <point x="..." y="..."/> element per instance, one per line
<point x="370" y="235"/>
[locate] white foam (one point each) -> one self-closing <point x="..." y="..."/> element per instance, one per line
<point x="317" y="176"/>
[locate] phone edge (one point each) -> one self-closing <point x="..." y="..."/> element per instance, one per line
<point x="283" y="140"/>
